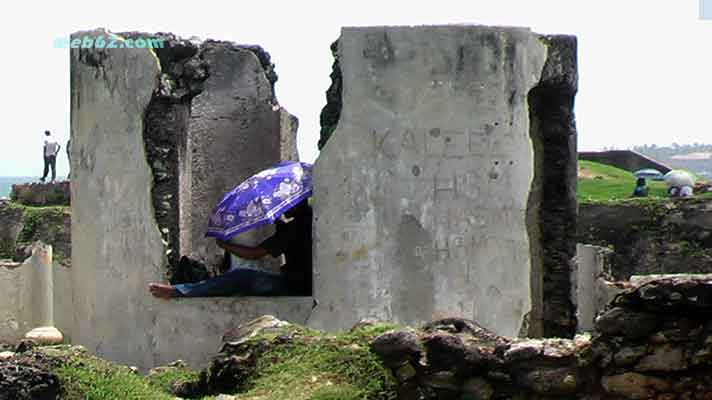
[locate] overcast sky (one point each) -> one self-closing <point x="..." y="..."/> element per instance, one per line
<point x="645" y="66"/>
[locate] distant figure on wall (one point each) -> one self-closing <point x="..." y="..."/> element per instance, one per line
<point x="51" y="148"/>
<point x="641" y="189"/>
<point x="69" y="157"/>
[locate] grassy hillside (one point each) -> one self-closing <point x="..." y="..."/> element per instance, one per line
<point x="599" y="182"/>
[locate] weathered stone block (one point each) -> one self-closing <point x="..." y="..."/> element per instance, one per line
<point x="236" y="129"/>
<point x="631" y="385"/>
<point x="425" y="189"/>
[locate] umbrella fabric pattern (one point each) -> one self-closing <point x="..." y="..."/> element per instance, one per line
<point x="261" y="199"/>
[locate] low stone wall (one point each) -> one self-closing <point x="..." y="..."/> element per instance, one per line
<point x="647" y="237"/>
<point x="628" y="160"/>
<point x="592" y="288"/>
<point x="42" y="194"/>
<point x="192" y="329"/>
<point x="21" y="285"/>
<point x="653" y="342"/>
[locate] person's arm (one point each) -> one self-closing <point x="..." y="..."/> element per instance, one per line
<point x="246" y="252"/>
<point x="59" y="146"/>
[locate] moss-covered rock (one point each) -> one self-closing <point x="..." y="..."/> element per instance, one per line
<point x="269" y="359"/>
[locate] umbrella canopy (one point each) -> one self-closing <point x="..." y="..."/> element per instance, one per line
<point x="679" y="178"/>
<point x="261" y="199"/>
<point x="649" y="173"/>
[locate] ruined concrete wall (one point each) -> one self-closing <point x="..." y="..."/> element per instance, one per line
<point x="236" y="130"/>
<point x="422" y="190"/>
<point x="592" y="287"/>
<point x="289" y="124"/>
<point x="16" y="308"/>
<point x="118" y="246"/>
<point x="165" y="134"/>
<point x="116" y="243"/>
<point x="25" y="299"/>
<point x="213" y="121"/>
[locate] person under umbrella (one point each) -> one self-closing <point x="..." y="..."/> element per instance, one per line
<point x="680" y="183"/>
<point x="278" y="195"/>
<point x="641" y="189"/>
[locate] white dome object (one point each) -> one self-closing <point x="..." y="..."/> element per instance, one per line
<point x="679" y="178"/>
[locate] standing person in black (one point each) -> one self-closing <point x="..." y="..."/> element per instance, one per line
<point x="292" y="238"/>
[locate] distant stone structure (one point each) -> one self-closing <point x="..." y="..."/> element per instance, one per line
<point x="667" y="237"/>
<point x="447" y="187"/>
<point x="42" y="194"/>
<point x="22" y="226"/>
<point x="628" y="160"/>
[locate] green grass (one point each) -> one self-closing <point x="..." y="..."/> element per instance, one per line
<point x="317" y="367"/>
<point x="600" y="183"/>
<point x="87" y="377"/>
<point x="311" y="366"/>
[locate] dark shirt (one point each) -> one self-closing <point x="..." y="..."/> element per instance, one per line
<point x="294" y="240"/>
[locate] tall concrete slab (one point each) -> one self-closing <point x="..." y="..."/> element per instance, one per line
<point x="115" y="240"/>
<point x="422" y="192"/>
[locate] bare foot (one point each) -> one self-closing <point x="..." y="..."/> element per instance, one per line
<point x="162" y="291"/>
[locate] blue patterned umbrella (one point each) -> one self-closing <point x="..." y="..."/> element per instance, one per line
<point x="261" y="199"/>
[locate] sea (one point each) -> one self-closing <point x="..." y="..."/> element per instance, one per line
<point x="6" y="183"/>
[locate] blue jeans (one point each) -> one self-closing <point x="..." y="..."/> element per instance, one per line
<point x="239" y="281"/>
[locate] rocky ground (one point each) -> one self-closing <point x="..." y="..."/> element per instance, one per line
<point x="652" y="342"/>
<point x="26" y="374"/>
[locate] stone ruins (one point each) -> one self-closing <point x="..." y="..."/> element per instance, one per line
<point x="445" y="186"/>
<point x="434" y="195"/>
